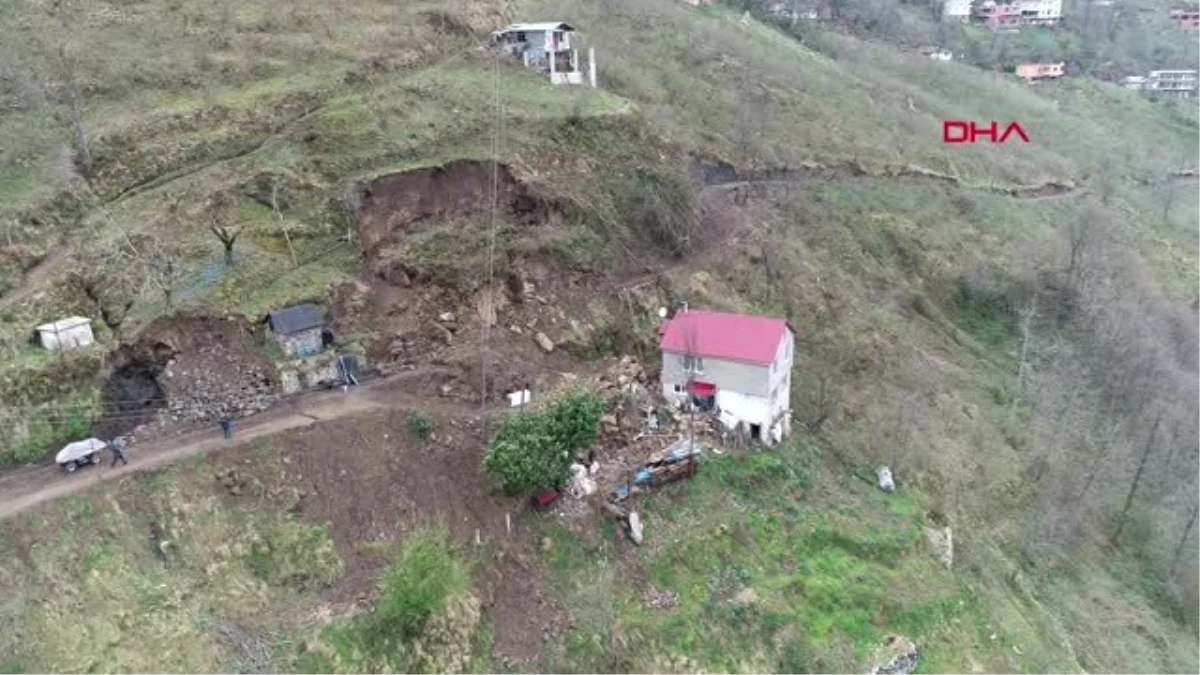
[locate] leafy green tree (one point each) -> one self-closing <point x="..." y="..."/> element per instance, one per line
<point x="534" y="450"/>
<point x="575" y="420"/>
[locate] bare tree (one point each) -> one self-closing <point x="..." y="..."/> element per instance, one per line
<point x="223" y="223"/>
<point x="1027" y="319"/>
<point x="282" y="223"/>
<point x="1187" y="533"/>
<point x="748" y="130"/>
<point x="1169" y="186"/>
<point x="57" y="44"/>
<point x="162" y="263"/>
<point x="1123" y="519"/>
<point x="106" y="278"/>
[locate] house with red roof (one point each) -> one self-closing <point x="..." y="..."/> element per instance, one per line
<point x="738" y="365"/>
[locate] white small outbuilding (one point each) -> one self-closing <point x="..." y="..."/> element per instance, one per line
<point x="71" y="333"/>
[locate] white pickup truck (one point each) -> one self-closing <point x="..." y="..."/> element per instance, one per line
<point x="80" y="453"/>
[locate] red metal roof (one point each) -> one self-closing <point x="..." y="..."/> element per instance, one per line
<point x="721" y="335"/>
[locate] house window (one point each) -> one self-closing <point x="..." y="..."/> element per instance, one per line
<point x="679" y="389"/>
<point x="693" y="364"/>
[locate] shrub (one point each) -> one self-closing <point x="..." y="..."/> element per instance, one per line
<point x="420" y="426"/>
<point x="415" y="587"/>
<point x="534" y="450"/>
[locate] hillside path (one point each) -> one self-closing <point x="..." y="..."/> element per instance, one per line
<point x="27" y="487"/>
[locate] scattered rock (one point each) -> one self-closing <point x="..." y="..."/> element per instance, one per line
<point x="547" y="544"/>
<point x="544" y="342"/>
<point x="442" y="333"/>
<point x="446" y="389"/>
<point x="636" y="531"/>
<point x="446" y="317"/>
<point x="656" y="599"/>
<point x="747" y="596"/>
<point x="897" y="656"/>
<point x="942" y="542"/>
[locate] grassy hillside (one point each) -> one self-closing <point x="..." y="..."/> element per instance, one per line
<point x="906" y="262"/>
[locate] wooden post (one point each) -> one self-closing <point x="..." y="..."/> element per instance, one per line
<point x="553" y="66"/>
<point x="592" y="66"/>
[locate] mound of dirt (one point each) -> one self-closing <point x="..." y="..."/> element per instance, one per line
<point x="394" y="204"/>
<point x="192" y="368"/>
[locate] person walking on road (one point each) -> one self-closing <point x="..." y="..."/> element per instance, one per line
<point x="227" y="427"/>
<point x="117" y="454"/>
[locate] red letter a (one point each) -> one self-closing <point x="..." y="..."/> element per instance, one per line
<point x="1015" y="127"/>
<point x="962" y="127"/>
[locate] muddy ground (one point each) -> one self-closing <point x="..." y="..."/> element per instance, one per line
<point x="371" y="480"/>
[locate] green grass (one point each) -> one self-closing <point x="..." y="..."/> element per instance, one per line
<point x="869" y="268"/>
<point x="86" y="589"/>
<point x="829" y="578"/>
<point x="425" y="595"/>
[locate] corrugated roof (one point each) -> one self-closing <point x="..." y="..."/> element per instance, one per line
<point x="296" y="319"/>
<point x="535" y="27"/>
<point x="721" y="335"/>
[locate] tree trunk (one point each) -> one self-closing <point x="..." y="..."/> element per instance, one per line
<point x="228" y="252"/>
<point x="1187" y="532"/>
<point x="79" y="139"/>
<point x="1137" y="478"/>
<point x="1099" y="460"/>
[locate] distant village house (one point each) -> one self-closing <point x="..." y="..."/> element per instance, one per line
<point x="300" y="330"/>
<point x="1040" y="71"/>
<point x="1165" y="83"/>
<point x="1186" y="19"/>
<point x="1013" y="15"/>
<point x="546" y="47"/>
<point x="71" y="333"/>
<point x="738" y="365"/>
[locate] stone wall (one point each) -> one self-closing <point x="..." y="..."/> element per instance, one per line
<point x="302" y="344"/>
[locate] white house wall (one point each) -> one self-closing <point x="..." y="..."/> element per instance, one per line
<point x="745" y="377"/>
<point x="745" y="407"/>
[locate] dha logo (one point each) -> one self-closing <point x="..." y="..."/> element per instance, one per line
<point x="964" y="131"/>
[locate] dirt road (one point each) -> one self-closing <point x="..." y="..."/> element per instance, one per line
<point x="30" y="486"/>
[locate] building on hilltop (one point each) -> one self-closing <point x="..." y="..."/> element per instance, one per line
<point x="1186" y="19"/>
<point x="300" y="330"/>
<point x="1013" y="15"/>
<point x="71" y="333"/>
<point x="1165" y="83"/>
<point x="738" y="365"/>
<point x="546" y="47"/>
<point x="999" y="16"/>
<point x="1040" y="71"/>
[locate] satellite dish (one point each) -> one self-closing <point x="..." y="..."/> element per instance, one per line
<point x="662" y="312"/>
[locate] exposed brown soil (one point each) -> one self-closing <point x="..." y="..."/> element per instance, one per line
<point x="359" y="468"/>
<point x="400" y="482"/>
<point x="396" y="203"/>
